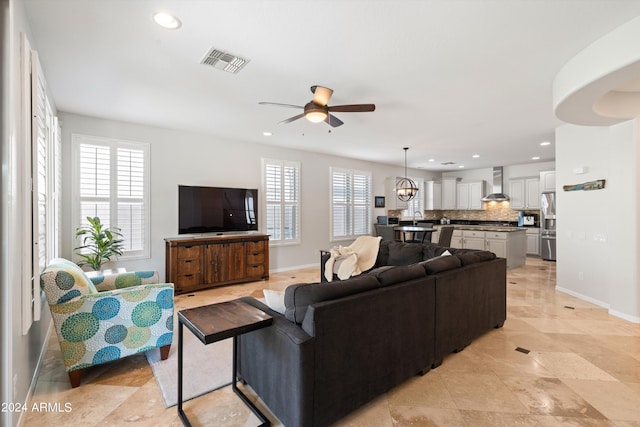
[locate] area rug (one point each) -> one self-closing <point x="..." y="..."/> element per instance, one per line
<point x="205" y="368"/>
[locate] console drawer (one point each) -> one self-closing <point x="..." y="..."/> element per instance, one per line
<point x="189" y="252"/>
<point x="255" y="258"/>
<point x="188" y="280"/>
<point x="254" y="247"/>
<point x="188" y="266"/>
<point x="255" y="270"/>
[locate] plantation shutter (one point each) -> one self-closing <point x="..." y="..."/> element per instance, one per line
<point x="282" y="200"/>
<point x="131" y="206"/>
<point x="95" y="183"/>
<point x="350" y="204"/>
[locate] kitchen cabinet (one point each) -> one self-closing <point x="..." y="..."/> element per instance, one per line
<point x="469" y="195"/>
<point x="524" y="193"/>
<point x="433" y="195"/>
<point x="497" y="243"/>
<point x="547" y="181"/>
<point x="456" y="239"/>
<point x="449" y="193"/>
<point x="505" y="244"/>
<point x="472" y="239"/>
<point x="533" y="241"/>
<point x="204" y="262"/>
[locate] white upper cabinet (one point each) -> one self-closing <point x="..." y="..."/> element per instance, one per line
<point x="433" y="195"/>
<point x="548" y="181"/>
<point x="469" y="195"/>
<point x="449" y="193"/>
<point x="524" y="193"/>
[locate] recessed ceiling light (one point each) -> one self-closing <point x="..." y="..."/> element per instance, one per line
<point x="166" y="20"/>
<point x="535" y="158"/>
<point x="545" y="143"/>
<point x="475" y="156"/>
<point x="461" y="166"/>
<point x="267" y="133"/>
<point x="432" y="160"/>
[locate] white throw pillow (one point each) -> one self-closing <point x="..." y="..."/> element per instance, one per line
<point x="275" y="300"/>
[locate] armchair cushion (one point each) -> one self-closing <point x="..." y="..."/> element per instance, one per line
<point x="109" y="282"/>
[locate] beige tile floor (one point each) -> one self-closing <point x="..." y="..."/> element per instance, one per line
<point x="583" y="369"/>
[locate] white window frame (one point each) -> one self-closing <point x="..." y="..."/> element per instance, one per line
<point x="113" y="144"/>
<point x="283" y="202"/>
<point x="350" y="205"/>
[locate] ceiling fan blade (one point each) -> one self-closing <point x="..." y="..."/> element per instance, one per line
<point x="291" y="119"/>
<point x="321" y="95"/>
<point x="333" y="121"/>
<point x="353" y="108"/>
<point x="280" y="105"/>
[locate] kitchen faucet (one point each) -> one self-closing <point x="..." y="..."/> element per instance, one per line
<point x="414" y="217"/>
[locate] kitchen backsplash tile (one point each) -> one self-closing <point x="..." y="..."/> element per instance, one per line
<point x="493" y="211"/>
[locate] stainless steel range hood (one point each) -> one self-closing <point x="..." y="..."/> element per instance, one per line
<point x="497" y="195"/>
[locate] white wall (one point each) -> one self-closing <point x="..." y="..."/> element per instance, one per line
<point x="194" y="159"/>
<point x="597" y="231"/>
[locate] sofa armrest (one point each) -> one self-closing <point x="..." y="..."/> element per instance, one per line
<point x="278" y="363"/>
<point x="113" y="281"/>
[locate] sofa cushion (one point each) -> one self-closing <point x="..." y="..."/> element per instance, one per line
<point x="391" y="275"/>
<point x="298" y="297"/>
<point x="383" y="254"/>
<point x="441" y="263"/>
<point x="430" y="250"/>
<point x="475" y="256"/>
<point x="401" y="253"/>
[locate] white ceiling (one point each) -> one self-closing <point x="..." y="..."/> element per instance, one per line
<point x="450" y="78"/>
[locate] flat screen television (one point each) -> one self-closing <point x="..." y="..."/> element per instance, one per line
<point x="216" y="209"/>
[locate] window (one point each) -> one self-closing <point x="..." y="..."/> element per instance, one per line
<point x="112" y="183"/>
<point x="281" y="183"/>
<point x="417" y="203"/>
<point x="350" y="204"/>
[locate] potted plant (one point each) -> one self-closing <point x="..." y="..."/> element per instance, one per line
<point x="99" y="243"/>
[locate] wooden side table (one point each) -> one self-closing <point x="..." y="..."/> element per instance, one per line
<point x="216" y="322"/>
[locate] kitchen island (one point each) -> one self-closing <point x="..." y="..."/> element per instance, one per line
<point x="505" y="242"/>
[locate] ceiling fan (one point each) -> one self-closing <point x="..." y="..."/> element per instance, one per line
<point x="317" y="110"/>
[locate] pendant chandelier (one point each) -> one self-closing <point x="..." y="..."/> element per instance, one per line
<point x="406" y="188"/>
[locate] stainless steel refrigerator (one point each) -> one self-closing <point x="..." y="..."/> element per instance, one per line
<point x="548" y="225"/>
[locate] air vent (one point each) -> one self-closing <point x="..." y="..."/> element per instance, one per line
<point x="447" y="163"/>
<point x="224" y="61"/>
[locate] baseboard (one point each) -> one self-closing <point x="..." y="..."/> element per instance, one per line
<point x="296" y="267"/>
<point x="616" y="313"/>
<point x="36" y="374"/>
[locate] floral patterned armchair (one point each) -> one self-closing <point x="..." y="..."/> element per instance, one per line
<point x="107" y="317"/>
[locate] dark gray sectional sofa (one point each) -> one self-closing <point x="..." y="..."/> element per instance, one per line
<point x="341" y="344"/>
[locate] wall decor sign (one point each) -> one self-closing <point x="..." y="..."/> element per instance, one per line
<point x="379" y="201"/>
<point x="591" y="185"/>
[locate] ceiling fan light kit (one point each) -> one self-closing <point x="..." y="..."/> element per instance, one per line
<point x="317" y="110"/>
<point x="406" y="188"/>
